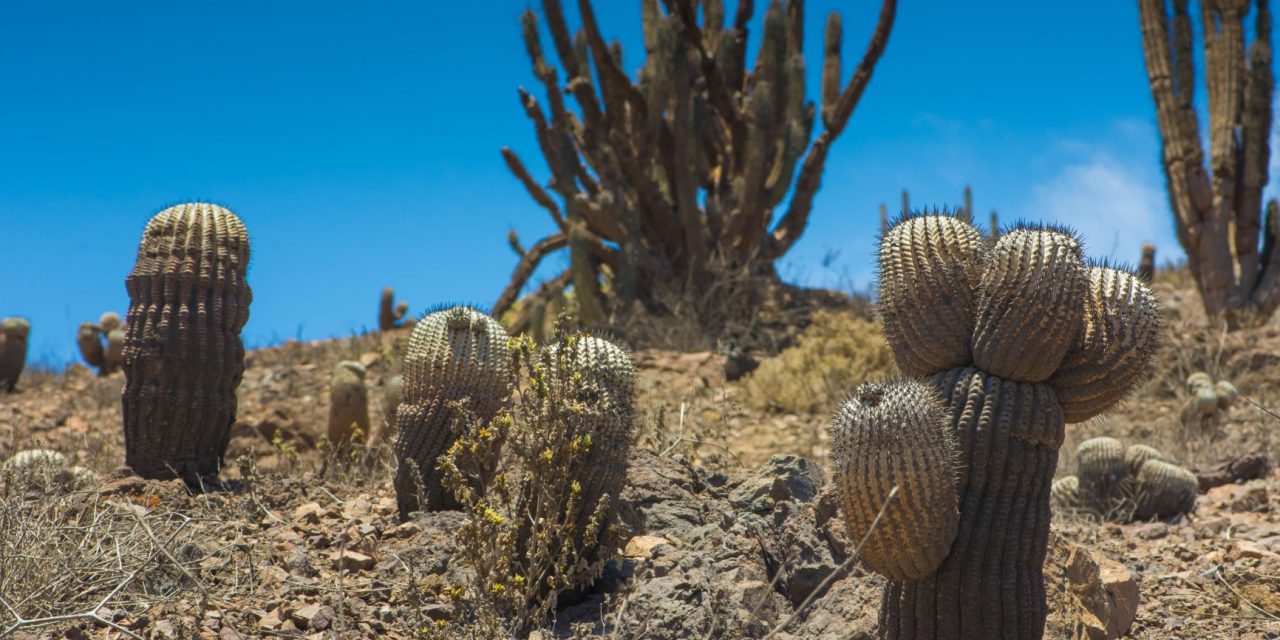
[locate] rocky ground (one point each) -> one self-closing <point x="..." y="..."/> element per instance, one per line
<point x="730" y="527"/>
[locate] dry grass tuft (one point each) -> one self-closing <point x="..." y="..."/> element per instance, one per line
<point x="837" y="352"/>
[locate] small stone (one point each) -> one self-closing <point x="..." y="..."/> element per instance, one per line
<point x="271" y="620"/>
<point x="1151" y="531"/>
<point x="356" y="507"/>
<point x="313" y="617"/>
<point x="227" y="633"/>
<point x="353" y="561"/>
<point x="643" y="546"/>
<point x="308" y="513"/>
<point x="439" y="611"/>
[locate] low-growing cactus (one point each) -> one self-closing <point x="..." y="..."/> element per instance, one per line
<point x="183" y="356"/>
<point x="14" y="333"/>
<point x="1209" y="397"/>
<point x="1101" y="468"/>
<point x="1163" y="489"/>
<point x="453" y="355"/>
<point x="1015" y="338"/>
<point x="348" y="404"/>
<point x="45" y="469"/>
<point x="1123" y="484"/>
<point x="390" y="313"/>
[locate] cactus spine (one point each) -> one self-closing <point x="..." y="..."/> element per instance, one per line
<point x="454" y="354"/>
<point x="14" y="333"/>
<point x="183" y="357"/>
<point x="989" y="329"/>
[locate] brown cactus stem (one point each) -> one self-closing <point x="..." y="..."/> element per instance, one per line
<point x="991" y="585"/>
<point x="183" y="356"/>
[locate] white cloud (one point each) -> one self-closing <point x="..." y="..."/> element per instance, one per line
<point x="1115" y="208"/>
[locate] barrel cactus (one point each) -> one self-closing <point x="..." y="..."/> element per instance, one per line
<point x="348" y="404"/>
<point x="183" y="356"/>
<point x="454" y="354"/>
<point x="1125" y="484"/>
<point x="1013" y="338"/>
<point x="13" y="350"/>
<point x="607" y="397"/>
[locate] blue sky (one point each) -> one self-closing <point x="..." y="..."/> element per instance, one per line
<point x="360" y="143"/>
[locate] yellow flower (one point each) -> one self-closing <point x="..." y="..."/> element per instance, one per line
<point x="493" y="516"/>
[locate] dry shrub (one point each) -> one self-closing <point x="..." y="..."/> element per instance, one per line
<point x="522" y="537"/>
<point x="837" y="352"/>
<point x="70" y="556"/>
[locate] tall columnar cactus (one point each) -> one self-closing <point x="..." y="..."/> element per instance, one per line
<point x="183" y="357"/>
<point x="609" y="379"/>
<point x="14" y="333"/>
<point x="348" y="404"/>
<point x="390" y="312"/>
<point x="706" y="161"/>
<point x="1147" y="264"/>
<point x="1013" y="338"/>
<point x="1218" y="204"/>
<point x="453" y="354"/>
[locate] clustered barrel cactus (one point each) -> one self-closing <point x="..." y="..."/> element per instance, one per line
<point x="1008" y="340"/>
<point x="13" y="350"/>
<point x="1115" y="483"/>
<point x="102" y="344"/>
<point x="183" y="356"/>
<point x="454" y="354"/>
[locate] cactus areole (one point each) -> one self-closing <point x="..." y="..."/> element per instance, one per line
<point x="1014" y="337"/>
<point x="183" y="357"/>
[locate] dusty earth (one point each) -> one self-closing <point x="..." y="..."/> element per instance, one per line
<point x="731" y="530"/>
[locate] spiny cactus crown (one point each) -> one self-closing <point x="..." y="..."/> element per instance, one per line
<point x="1025" y="308"/>
<point x="455" y="353"/>
<point x="15" y="327"/>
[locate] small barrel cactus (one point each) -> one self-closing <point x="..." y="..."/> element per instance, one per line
<point x="1101" y="467"/>
<point x="392" y="395"/>
<point x="453" y="354"/>
<point x="608" y="393"/>
<point x="1163" y="489"/>
<point x="390" y="313"/>
<point x="183" y="356"/>
<point x="14" y="333"/>
<point x="1014" y="338"/>
<point x="891" y="435"/>
<point x="1209" y="397"/>
<point x="348" y="404"/>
